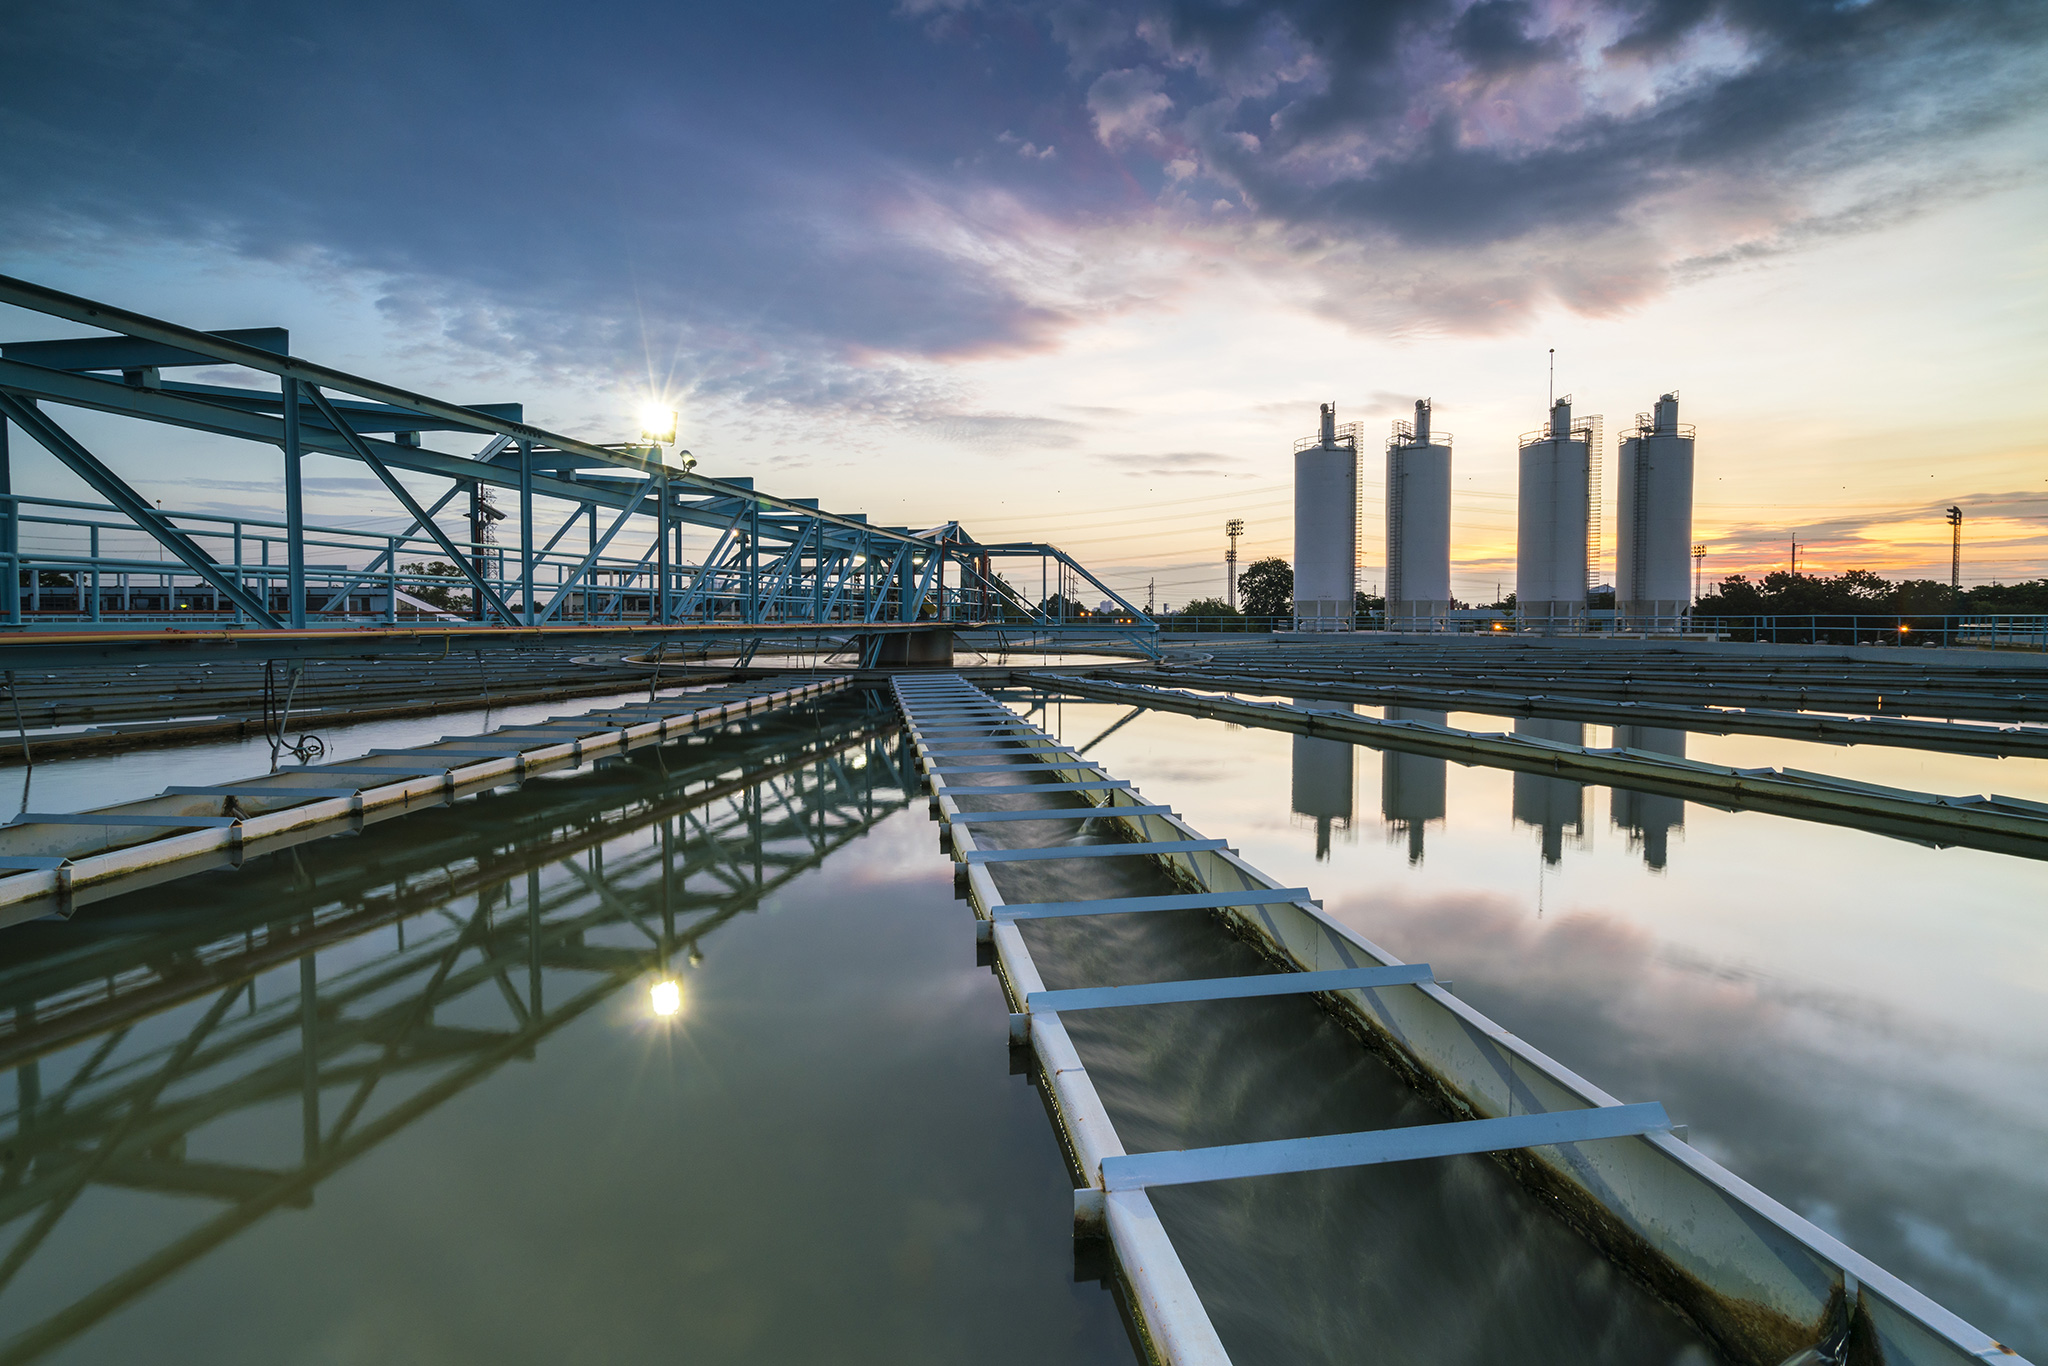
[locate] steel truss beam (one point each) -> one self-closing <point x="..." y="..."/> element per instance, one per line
<point x="420" y="516"/>
<point x="115" y="490"/>
<point x="778" y="560"/>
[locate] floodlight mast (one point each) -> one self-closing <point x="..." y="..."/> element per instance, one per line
<point x="1233" y="528"/>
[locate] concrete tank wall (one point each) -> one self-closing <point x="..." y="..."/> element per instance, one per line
<point x="1653" y="548"/>
<point x="1551" y="527"/>
<point x="1418" y="528"/>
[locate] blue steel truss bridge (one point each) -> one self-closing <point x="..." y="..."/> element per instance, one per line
<point x="530" y="538"/>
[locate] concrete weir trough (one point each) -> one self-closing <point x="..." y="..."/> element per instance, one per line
<point x="1063" y="864"/>
<point x="53" y="862"/>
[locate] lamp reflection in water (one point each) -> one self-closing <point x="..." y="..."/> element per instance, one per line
<point x="571" y="890"/>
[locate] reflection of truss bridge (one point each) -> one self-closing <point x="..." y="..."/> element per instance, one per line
<point x="514" y="915"/>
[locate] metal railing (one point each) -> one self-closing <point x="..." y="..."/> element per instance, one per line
<point x="2000" y="631"/>
<point x="84" y="562"/>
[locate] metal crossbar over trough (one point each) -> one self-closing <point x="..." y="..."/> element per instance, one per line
<point x="1758" y="1279"/>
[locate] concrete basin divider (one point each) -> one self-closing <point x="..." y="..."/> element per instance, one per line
<point x="55" y="864"/>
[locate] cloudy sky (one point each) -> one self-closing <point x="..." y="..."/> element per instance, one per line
<point x="1082" y="271"/>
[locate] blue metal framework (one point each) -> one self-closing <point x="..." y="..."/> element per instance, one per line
<point x="776" y="565"/>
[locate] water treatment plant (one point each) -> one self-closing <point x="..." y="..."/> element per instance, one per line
<point x="686" y="921"/>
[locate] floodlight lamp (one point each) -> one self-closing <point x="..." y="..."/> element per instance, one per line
<point x="665" y="998"/>
<point x="657" y="425"/>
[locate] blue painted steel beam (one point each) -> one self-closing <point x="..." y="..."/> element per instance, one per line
<point x="1106" y="784"/>
<point x="1057" y="813"/>
<point x="115" y="490"/>
<point x="1228" y="988"/>
<point x="1077" y="851"/>
<point x="590" y="560"/>
<point x="91" y="313"/>
<point x="1235" y="1161"/>
<point x="1124" y="905"/>
<point x="133" y="353"/>
<point x="485" y="593"/>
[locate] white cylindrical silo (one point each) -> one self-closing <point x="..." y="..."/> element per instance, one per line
<point x="1418" y="525"/>
<point x="1325" y="529"/>
<point x="1653" y="545"/>
<point x="1552" y="524"/>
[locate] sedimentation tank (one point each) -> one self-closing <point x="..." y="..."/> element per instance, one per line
<point x="1654" y="524"/>
<point x="1418" y="525"/>
<point x="1326" y="528"/>
<point x="1554" y="522"/>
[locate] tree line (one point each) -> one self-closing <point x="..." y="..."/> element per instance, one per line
<point x="1266" y="589"/>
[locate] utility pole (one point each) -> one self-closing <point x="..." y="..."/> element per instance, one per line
<point x="1150" y="586"/>
<point x="1699" y="555"/>
<point x="1233" y="528"/>
<point x="1955" y="549"/>
<point x="1795" y="557"/>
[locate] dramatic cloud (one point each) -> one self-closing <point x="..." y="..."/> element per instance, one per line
<point x="1457" y="166"/>
<point x="825" y="207"/>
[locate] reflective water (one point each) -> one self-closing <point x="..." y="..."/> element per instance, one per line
<point x="412" y="1096"/>
<point x="408" y="1096"/>
<point x="1856" y="1024"/>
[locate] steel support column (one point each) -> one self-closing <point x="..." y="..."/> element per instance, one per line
<point x="294" y="511"/>
<point x="661" y="540"/>
<point x="526" y="532"/>
<point x="10" y="533"/>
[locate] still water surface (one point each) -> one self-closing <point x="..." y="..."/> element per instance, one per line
<point x="508" y="1155"/>
<point x="1856" y="1024"/>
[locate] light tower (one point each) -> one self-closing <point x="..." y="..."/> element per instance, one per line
<point x="1699" y="555"/>
<point x="1233" y="528"/>
<point x="1955" y="550"/>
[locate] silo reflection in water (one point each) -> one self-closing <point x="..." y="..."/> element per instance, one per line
<point x="1411" y="785"/>
<point x="1323" y="786"/>
<point x="1552" y="805"/>
<point x="1648" y="817"/>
